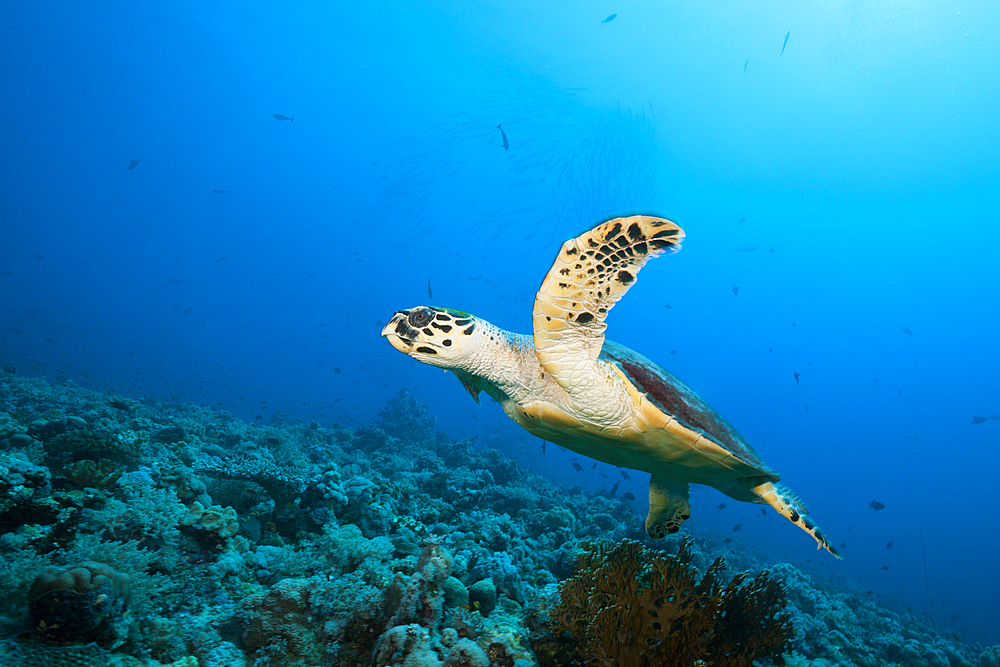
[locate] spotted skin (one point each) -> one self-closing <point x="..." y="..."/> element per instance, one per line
<point x="568" y="385"/>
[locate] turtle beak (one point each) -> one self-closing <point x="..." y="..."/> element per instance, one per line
<point x="392" y="330"/>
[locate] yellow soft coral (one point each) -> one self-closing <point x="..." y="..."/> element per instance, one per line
<point x="627" y="605"/>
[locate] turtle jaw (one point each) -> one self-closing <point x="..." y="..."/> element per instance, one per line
<point x="408" y="340"/>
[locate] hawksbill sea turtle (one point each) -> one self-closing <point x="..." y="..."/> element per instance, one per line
<point x="570" y="386"/>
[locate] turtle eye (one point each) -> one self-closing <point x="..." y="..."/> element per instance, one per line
<point x="420" y="317"/>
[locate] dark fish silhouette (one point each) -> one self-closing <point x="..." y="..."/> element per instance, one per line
<point x="876" y="505"/>
<point x="132" y="163"/>
<point x="888" y="545"/>
<point x="221" y="192"/>
<point x="614" y="488"/>
<point x="628" y="496"/>
<point x="728" y="540"/>
<point x="745" y="66"/>
<point x="748" y="249"/>
<point x="763" y="511"/>
<point x="609" y="19"/>
<point x="721" y="506"/>
<point x="625" y="475"/>
<point x="741" y="219"/>
<point x="737" y="527"/>
<point x="543" y="447"/>
<point x="281" y="116"/>
<point x="504" y="136"/>
<point x="785" y="44"/>
<point x="176" y="281"/>
<point x="430" y="292"/>
<point x="843" y="545"/>
<point x="41" y="258"/>
<point x="736" y="289"/>
<point x="578" y="467"/>
<point x="978" y="420"/>
<point x="907" y="331"/>
<point x="221" y="259"/>
<point x="668" y="307"/>
<point x="885" y="567"/>
<point x="336" y="369"/>
<point x="594" y="467"/>
<point x="797" y="376"/>
<point x="771" y="251"/>
<point x="604" y="475"/>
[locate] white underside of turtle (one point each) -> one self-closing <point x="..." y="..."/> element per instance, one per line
<point x="570" y="386"/>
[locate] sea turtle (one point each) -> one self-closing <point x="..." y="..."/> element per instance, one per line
<point x="570" y="386"/>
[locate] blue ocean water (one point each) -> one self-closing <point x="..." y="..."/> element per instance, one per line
<point x="837" y="297"/>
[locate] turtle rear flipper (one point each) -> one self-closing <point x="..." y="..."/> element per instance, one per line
<point x="790" y="507"/>
<point x="668" y="507"/>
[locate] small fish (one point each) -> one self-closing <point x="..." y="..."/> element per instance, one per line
<point x="763" y="511"/>
<point x="604" y="475"/>
<point x="721" y="506"/>
<point x="907" y="331"/>
<point x="609" y="19"/>
<point x="430" y="292"/>
<point x="625" y="475"/>
<point x="221" y="259"/>
<point x="628" y="496"/>
<point x="221" y="192"/>
<point x="728" y="540"/>
<point x="797" y="376"/>
<point x="336" y="369"/>
<point x="673" y="351"/>
<point x="188" y="310"/>
<point x="578" y="467"/>
<point x="543" y="447"/>
<point x="748" y="249"/>
<point x="885" y="567"/>
<point x="736" y="289"/>
<point x="978" y="420"/>
<point x="504" y="136"/>
<point x="876" y="505"/>
<point x="39" y="256"/>
<point x="785" y="44"/>
<point x="741" y="220"/>
<point x="668" y="307"/>
<point x="745" y="66"/>
<point x="737" y="527"/>
<point x="614" y="487"/>
<point x="176" y="281"/>
<point x="132" y="163"/>
<point x="594" y="467"/>
<point x="843" y="545"/>
<point x="281" y="116"/>
<point x="793" y="323"/>
<point x="771" y="251"/>
<point x="888" y="545"/>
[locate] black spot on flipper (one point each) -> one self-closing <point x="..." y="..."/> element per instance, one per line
<point x="584" y="318"/>
<point x="635" y="231"/>
<point x="624" y="277"/>
<point x="613" y="232"/>
<point x="426" y="350"/>
<point x="641" y="248"/>
<point x="794" y="516"/>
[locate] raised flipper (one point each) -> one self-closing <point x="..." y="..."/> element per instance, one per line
<point x="668" y="507"/>
<point x="789" y="506"/>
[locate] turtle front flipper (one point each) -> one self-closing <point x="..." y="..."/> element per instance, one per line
<point x="668" y="507"/>
<point x="590" y="274"/>
<point x="789" y="506"/>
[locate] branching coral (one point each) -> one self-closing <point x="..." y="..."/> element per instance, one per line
<point x="627" y="605"/>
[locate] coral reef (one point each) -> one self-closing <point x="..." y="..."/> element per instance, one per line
<point x="295" y="545"/>
<point x="630" y="605"/>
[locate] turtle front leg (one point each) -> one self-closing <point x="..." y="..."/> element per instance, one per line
<point x="668" y="507"/>
<point x="788" y="506"/>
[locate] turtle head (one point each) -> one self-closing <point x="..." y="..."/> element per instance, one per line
<point x="436" y="336"/>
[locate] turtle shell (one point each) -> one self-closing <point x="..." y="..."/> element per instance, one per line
<point x="674" y="398"/>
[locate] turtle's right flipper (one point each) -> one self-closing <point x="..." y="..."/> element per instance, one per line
<point x="668" y="507"/>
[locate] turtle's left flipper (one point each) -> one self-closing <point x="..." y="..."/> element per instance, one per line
<point x="668" y="507"/>
<point x="789" y="506"/>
